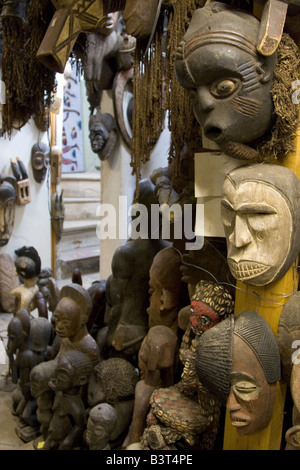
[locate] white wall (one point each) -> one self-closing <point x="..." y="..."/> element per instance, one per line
<point x="32" y="221"/>
<point x="117" y="180"/>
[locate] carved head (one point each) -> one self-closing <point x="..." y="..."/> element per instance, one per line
<point x="73" y="369"/>
<point x="100" y="425"/>
<point x="260" y="212"/>
<point x="28" y="262"/>
<point x="239" y="361"/>
<point x="229" y="81"/>
<point x="7" y="210"/>
<point x="40" y="376"/>
<point x="72" y="310"/>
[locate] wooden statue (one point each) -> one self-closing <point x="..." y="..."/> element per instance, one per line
<point x="101" y="423"/>
<point x="7" y="208"/>
<point x="40" y="161"/>
<point x="28" y="339"/>
<point x="260" y="209"/>
<point x="28" y="267"/>
<point x="103" y="134"/>
<point x="157" y="365"/>
<point x="128" y="285"/>
<point x="113" y="381"/>
<point x="68" y="422"/>
<point x="8" y="282"/>
<point x="70" y="317"/>
<point x="96" y="319"/>
<point x="231" y="97"/>
<point x="238" y="361"/>
<point x="167" y="290"/>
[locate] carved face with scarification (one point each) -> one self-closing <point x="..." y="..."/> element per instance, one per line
<point x="229" y="82"/>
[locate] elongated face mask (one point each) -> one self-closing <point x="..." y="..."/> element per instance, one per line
<point x="260" y="216"/>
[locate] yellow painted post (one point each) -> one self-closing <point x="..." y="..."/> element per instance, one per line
<point x="268" y="302"/>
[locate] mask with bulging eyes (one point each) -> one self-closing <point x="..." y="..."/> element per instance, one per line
<point x="40" y="161"/>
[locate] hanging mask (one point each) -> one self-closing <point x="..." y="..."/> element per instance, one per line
<point x="40" y="161"/>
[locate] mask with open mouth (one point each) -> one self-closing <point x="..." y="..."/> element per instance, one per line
<point x="229" y="81"/>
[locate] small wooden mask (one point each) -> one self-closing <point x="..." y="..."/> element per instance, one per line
<point x="7" y="210"/>
<point x="40" y="161"/>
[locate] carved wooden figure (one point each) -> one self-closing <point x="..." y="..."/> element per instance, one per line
<point x="260" y="209"/>
<point x="8" y="278"/>
<point x="68" y="422"/>
<point x="113" y="381"/>
<point x="157" y="365"/>
<point x="103" y="134"/>
<point x="288" y="335"/>
<point x="231" y="97"/>
<point x="166" y="288"/>
<point x="40" y="376"/>
<point x="57" y="214"/>
<point x="238" y="361"/>
<point x="187" y="411"/>
<point x="101" y="423"/>
<point x="28" y="267"/>
<point x="28" y="339"/>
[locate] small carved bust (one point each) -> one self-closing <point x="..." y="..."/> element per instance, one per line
<point x="260" y="210"/>
<point x="239" y="361"/>
<point x="101" y="423"/>
<point x="40" y="161"/>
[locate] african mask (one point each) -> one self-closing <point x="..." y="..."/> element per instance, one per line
<point x="260" y="210"/>
<point x="103" y="135"/>
<point x="229" y="81"/>
<point x="245" y="374"/>
<point x="40" y="161"/>
<point x="7" y="210"/>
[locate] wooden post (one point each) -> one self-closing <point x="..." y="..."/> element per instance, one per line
<point x="52" y="191"/>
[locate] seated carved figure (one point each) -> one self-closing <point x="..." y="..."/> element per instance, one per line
<point x="68" y="422"/>
<point x="186" y="415"/>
